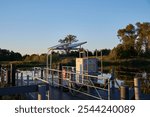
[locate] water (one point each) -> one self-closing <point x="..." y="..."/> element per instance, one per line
<point x="101" y="80"/>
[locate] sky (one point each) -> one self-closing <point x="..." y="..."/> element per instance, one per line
<point x="32" y="26"/>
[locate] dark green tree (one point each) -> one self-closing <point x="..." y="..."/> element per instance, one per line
<point x="135" y="41"/>
<point x="128" y="38"/>
<point x="68" y="39"/>
<point x="143" y="39"/>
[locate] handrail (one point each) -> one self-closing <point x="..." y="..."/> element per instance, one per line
<point x="68" y="80"/>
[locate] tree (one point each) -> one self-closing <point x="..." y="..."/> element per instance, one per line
<point x="68" y="39"/>
<point x="135" y="40"/>
<point x="35" y="58"/>
<point x="43" y="58"/>
<point x="128" y="38"/>
<point x="105" y="52"/>
<point x="6" y="55"/>
<point x="143" y="32"/>
<point x="27" y="58"/>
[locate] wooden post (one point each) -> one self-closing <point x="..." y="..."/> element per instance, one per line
<point x="70" y="82"/>
<point x="2" y="77"/>
<point x="21" y="79"/>
<point x="109" y="94"/>
<point x="41" y="92"/>
<point x="48" y="93"/>
<point x="52" y="73"/>
<point x="45" y="73"/>
<point x="27" y="79"/>
<point x="8" y="76"/>
<point x="124" y="92"/>
<point x="17" y="79"/>
<point x="137" y="88"/>
<point x="35" y="81"/>
<point x="41" y="73"/>
<point x="60" y="76"/>
<point x="13" y="72"/>
<point x="112" y="79"/>
<point x="34" y="72"/>
<point x="11" y="67"/>
<point x="60" y="79"/>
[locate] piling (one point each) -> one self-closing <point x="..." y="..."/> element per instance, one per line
<point x="27" y="79"/>
<point x="45" y="73"/>
<point x="70" y="82"/>
<point x="17" y="78"/>
<point x="41" y="73"/>
<point x="2" y="77"/>
<point x="60" y="80"/>
<point x="52" y="73"/>
<point x="8" y="76"/>
<point x="21" y="79"/>
<point x="13" y="72"/>
<point x="11" y="67"/>
<point x="137" y="88"/>
<point x="109" y="93"/>
<point x="41" y="92"/>
<point x="124" y="92"/>
<point x="112" y="79"/>
<point x="48" y="93"/>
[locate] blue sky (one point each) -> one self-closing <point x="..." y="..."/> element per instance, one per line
<point x="31" y="26"/>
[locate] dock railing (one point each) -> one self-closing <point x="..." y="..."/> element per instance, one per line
<point x="88" y="87"/>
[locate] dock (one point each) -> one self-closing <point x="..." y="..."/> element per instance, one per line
<point x="49" y="84"/>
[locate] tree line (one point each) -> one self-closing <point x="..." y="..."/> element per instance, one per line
<point x="134" y="43"/>
<point x="6" y="55"/>
<point x="60" y="55"/>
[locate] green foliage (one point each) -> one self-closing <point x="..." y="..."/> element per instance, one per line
<point x="105" y="52"/>
<point x="68" y="39"/>
<point x="135" y="42"/>
<point x="6" y="55"/>
<point x="35" y="58"/>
